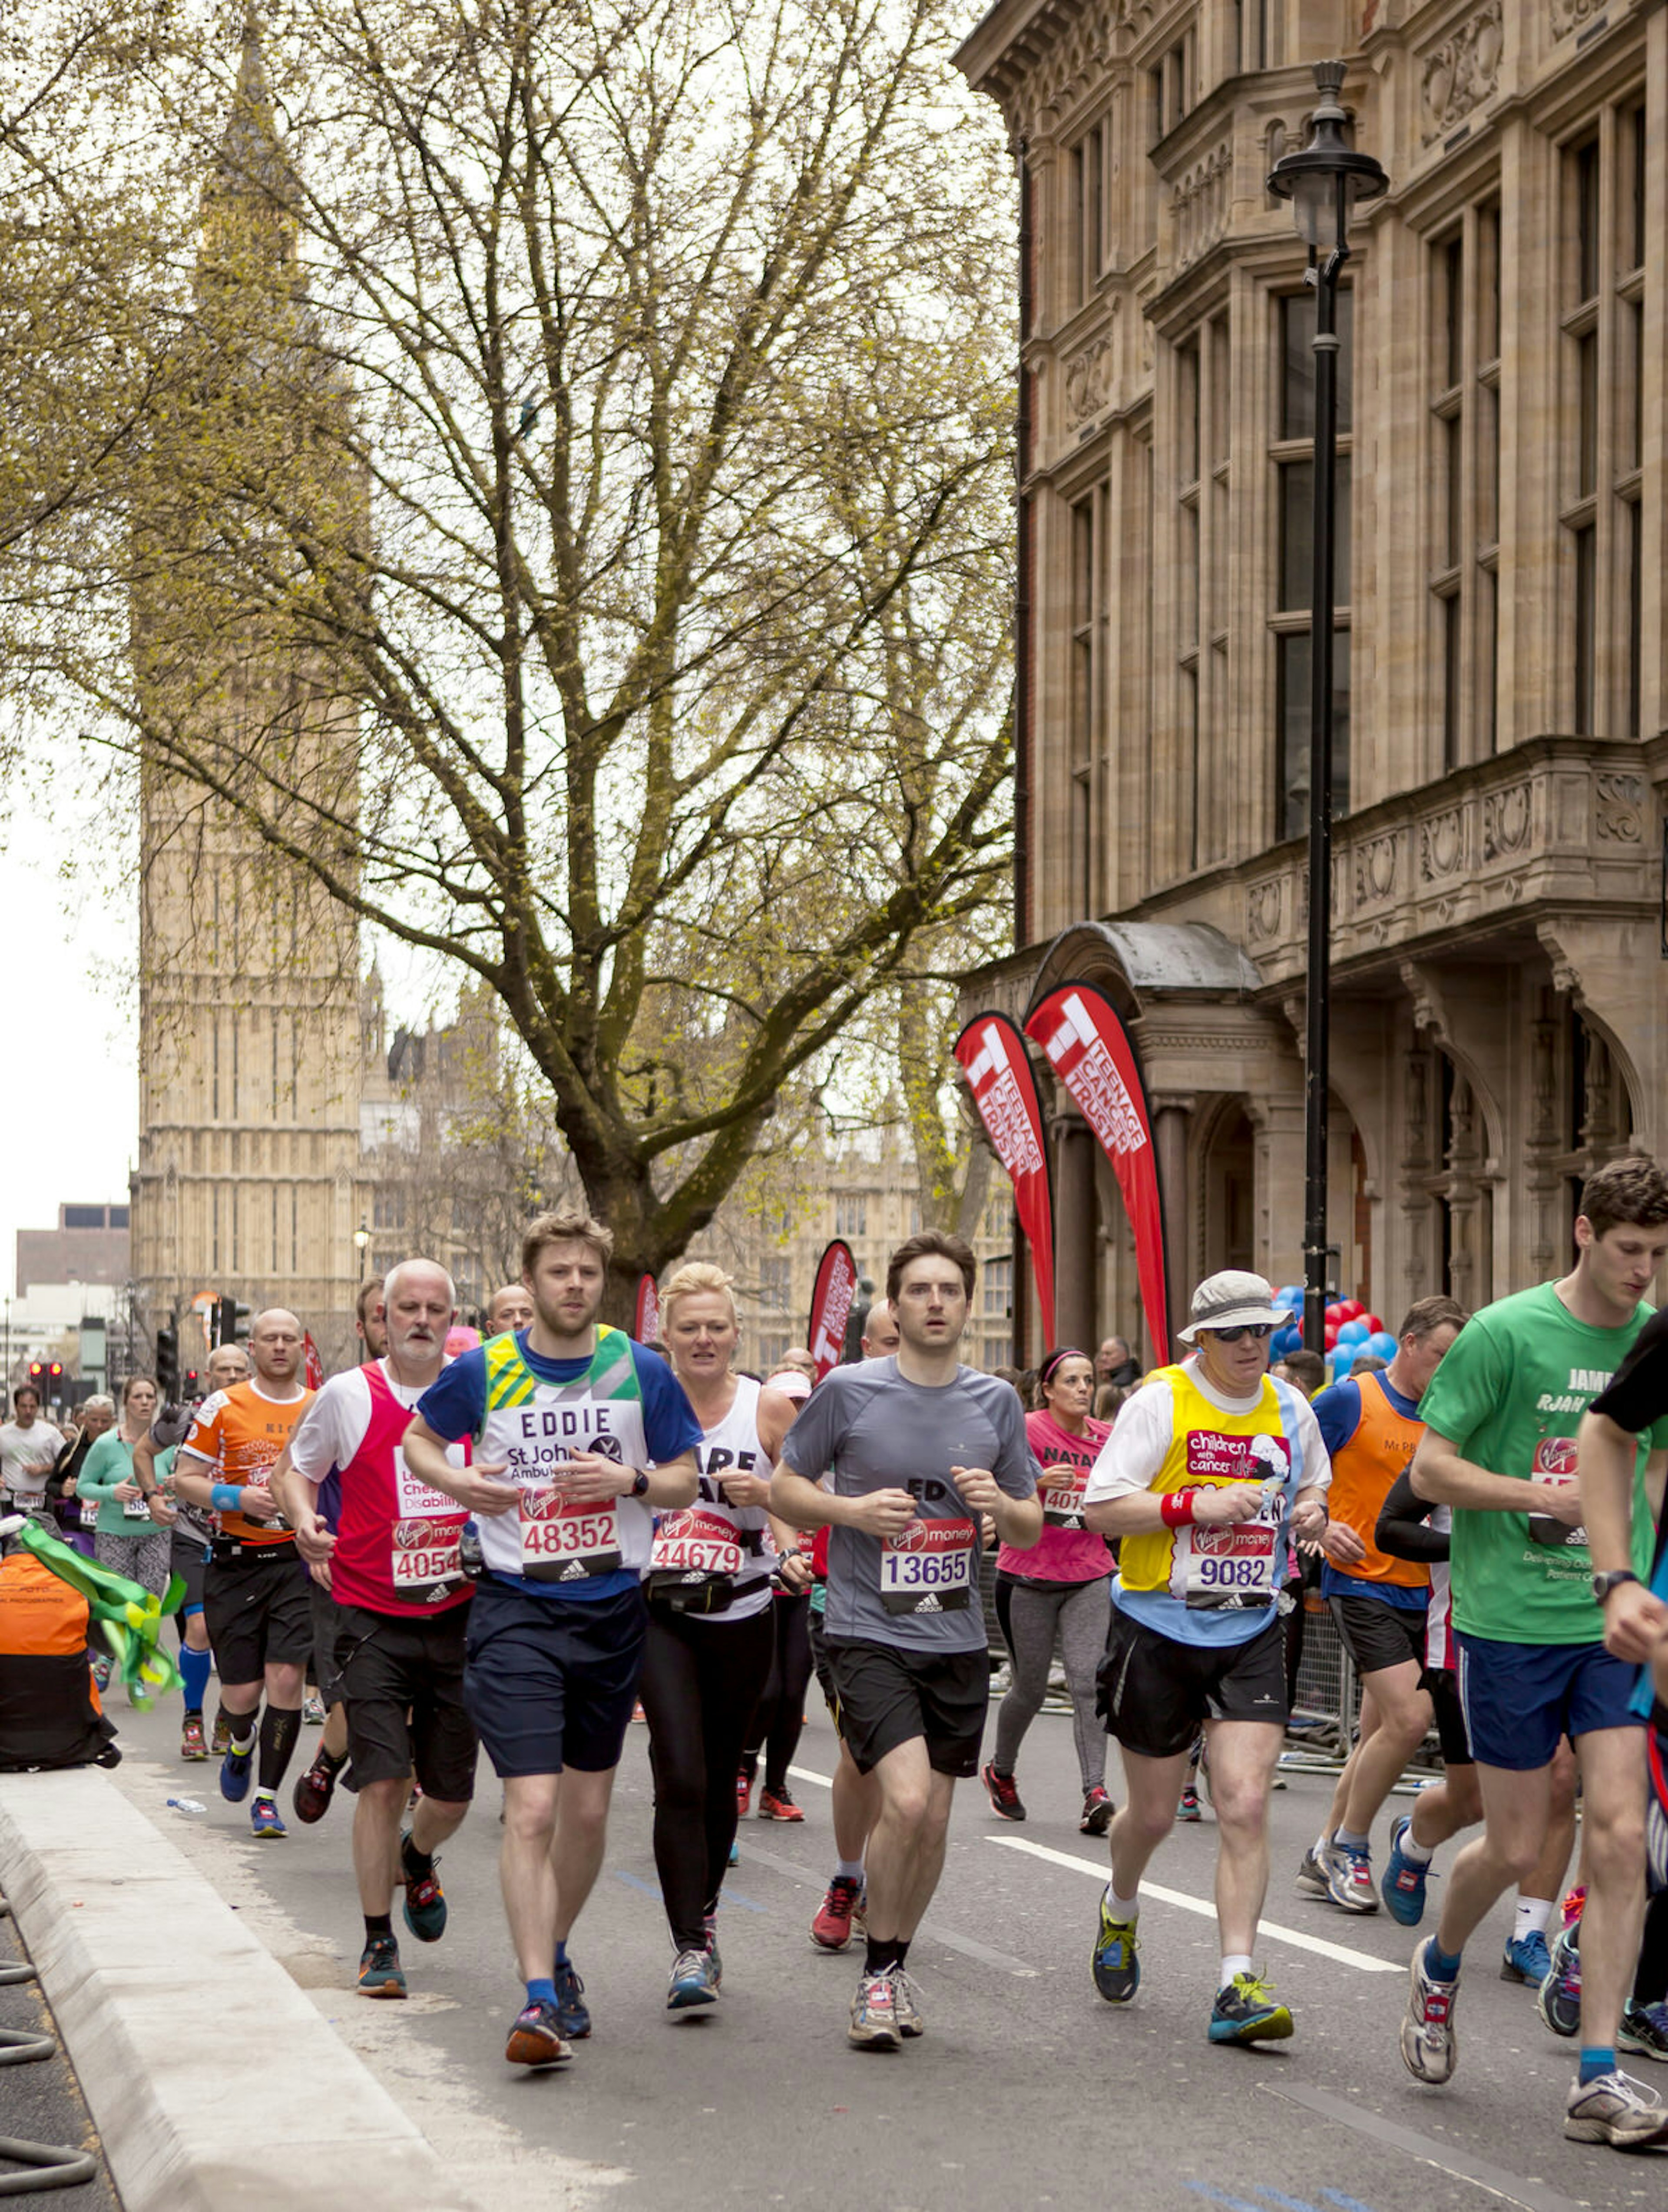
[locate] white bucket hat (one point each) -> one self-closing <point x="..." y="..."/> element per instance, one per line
<point x="1231" y="1300"/>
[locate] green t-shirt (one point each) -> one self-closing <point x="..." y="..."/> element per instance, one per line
<point x="1510" y="1395"/>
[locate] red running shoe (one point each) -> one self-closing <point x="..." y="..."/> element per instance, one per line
<point x="777" y="1805"/>
<point x="831" y="1930"/>
<point x="744" y="1793"/>
<point x="1003" y="1793"/>
<point x="311" y="1795"/>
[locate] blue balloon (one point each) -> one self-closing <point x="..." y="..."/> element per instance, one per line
<point x="1383" y="1343"/>
<point x="1284" y="1341"/>
<point x="1354" y="1331"/>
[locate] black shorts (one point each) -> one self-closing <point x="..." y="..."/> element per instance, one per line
<point x="885" y="1697"/>
<point x="550" y="1682"/>
<point x="188" y="1558"/>
<point x="325" y="1671"/>
<point x="824" y="1680"/>
<point x="1443" y="1684"/>
<point x="1377" y="1634"/>
<point x="402" y="1682"/>
<point x="1154" y="1692"/>
<point x="255" y="1609"/>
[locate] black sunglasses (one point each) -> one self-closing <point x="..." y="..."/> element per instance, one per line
<point x="1258" y="1331"/>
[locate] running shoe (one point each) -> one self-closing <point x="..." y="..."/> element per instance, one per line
<point x="735" y="1852"/>
<point x="1402" y="1884"/>
<point x="263" y="1819"/>
<point x="1002" y="1791"/>
<point x="313" y="1710"/>
<point x="875" y="2015"/>
<point x="778" y="1805"/>
<point x="101" y="1674"/>
<point x="1114" y="1961"/>
<point x="573" y="2013"/>
<point x="1429" y="2047"/>
<point x="1615" y="2109"/>
<point x="1245" y="2012"/>
<point x="536" y="2037"/>
<point x="1656" y="1808"/>
<point x="425" y="1900"/>
<point x="1559" y="1996"/>
<point x="1188" y="1809"/>
<point x="1310" y="1875"/>
<point x="712" y="1923"/>
<point x="694" y="1981"/>
<point x="1096" y="1816"/>
<point x="1349" y="1879"/>
<point x="1644" y="2030"/>
<point x="191" y="1742"/>
<point x="905" y="2008"/>
<point x="831" y="1930"/>
<point x="221" y="1742"/>
<point x="860" y="1912"/>
<point x="311" y="1795"/>
<point x="744" y="1793"/>
<point x="1526" y="1959"/>
<point x="234" y="1771"/>
<point x="380" y="1973"/>
<point x="1574" y="1906"/>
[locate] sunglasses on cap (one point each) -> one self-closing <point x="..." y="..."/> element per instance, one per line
<point x="1258" y="1331"/>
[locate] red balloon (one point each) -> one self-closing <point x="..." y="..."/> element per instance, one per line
<point x="1351" y="1309"/>
<point x="1373" y="1324"/>
<point x="1331" y="1334"/>
<point x="1336" y="1314"/>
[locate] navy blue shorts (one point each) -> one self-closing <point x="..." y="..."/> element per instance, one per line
<point x="1519" y="1698"/>
<point x="550" y="1682"/>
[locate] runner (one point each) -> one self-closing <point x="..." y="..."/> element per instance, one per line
<point x="368" y="1324"/>
<point x="94" y="1417"/>
<point x="1056" y="1595"/>
<point x="29" y="1451"/>
<point x="508" y="1308"/>
<point x="189" y="1534"/>
<point x="387" y="1559"/>
<point x="127" y="1537"/>
<point x="1370" y="1424"/>
<point x="1501" y="1415"/>
<point x="1211" y="1472"/>
<point x="595" y="1438"/>
<point x="917" y="1446"/>
<point x="255" y="1586"/>
<point x="711" y="1625"/>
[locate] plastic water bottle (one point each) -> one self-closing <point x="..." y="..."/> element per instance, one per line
<point x="188" y="1805"/>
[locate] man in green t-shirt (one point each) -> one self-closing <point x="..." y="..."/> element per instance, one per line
<point x="1501" y="1417"/>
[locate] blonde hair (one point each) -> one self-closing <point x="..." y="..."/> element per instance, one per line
<point x="694" y="1278"/>
<point x="569" y="1226"/>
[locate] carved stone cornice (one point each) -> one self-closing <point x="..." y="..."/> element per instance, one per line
<point x="1460" y="73"/>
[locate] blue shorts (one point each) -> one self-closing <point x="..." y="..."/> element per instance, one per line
<point x="551" y="1684"/>
<point x="1521" y="1698"/>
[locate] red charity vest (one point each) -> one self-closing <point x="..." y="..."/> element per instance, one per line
<point x="396" y="1539"/>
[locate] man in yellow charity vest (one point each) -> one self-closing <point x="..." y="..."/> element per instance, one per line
<point x="1212" y="1471"/>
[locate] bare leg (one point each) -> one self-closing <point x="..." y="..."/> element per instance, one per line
<point x="1404" y="1714"/>
<point x="906" y="1845"/>
<point x="1515" y="1807"/>
<point x="1243" y="1757"/>
<point x="856" y="1808"/>
<point x="1455" y="1803"/>
<point x="1367" y="1730"/>
<point x="1147" y="1817"/>
<point x="377" y="1816"/>
<point x="526" y="1873"/>
<point x="1613" y="1853"/>
<point x="581" y="1837"/>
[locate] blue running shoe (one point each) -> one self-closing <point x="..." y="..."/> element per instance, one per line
<point x="1402" y="1884"/>
<point x="1245" y="2012"/>
<point x="425" y="1900"/>
<point x="572" y="2011"/>
<point x="1114" y="1960"/>
<point x="694" y="1981"/>
<point x="263" y="1819"/>
<point x="1526" y="1959"/>
<point x="535" y="2039"/>
<point x="1559" y="1997"/>
<point x="234" y="1771"/>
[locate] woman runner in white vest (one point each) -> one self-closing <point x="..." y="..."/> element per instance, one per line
<point x="710" y="1634"/>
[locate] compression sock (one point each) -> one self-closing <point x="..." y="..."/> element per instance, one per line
<point x="334" y="1761"/>
<point x="1352" y="1840"/>
<point x="880" y="1954"/>
<point x="848" y="1870"/>
<point x="1233" y="1962"/>
<point x="545" y="1989"/>
<point x="1438" y="1965"/>
<point x="280" y="1727"/>
<point x="195" y="1668"/>
<point x="1534" y="1916"/>
<point x="414" y="1861"/>
<point x="1596" y="2059"/>
<point x="378" y="1923"/>
<point x="562" y="1954"/>
<point x="242" y="1727"/>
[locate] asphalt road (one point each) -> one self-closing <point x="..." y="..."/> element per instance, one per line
<point x="40" y="2100"/>
<point x="1027" y="2090"/>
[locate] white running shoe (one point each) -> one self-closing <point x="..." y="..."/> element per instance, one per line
<point x="1429" y="2048"/>
<point x="1615" y="2109"/>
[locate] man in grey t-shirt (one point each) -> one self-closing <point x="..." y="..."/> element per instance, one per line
<point x="916" y="1448"/>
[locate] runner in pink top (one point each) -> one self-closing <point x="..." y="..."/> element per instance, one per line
<point x="1055" y="1594"/>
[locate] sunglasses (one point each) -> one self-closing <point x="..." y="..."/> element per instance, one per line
<point x="1258" y="1331"/>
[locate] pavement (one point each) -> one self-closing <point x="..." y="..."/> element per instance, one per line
<point x="1027" y="2090"/>
<point x="40" y="2100"/>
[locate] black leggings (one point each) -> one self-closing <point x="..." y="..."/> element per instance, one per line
<point x="1651" y="1983"/>
<point x="701" y="1680"/>
<point x="781" y="1708"/>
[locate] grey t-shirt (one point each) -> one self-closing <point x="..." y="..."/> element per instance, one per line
<point x="869" y="1429"/>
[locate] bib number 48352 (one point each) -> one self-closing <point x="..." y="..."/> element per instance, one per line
<point x="563" y="1542"/>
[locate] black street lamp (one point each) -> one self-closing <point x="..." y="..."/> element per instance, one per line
<point x="1323" y="180"/>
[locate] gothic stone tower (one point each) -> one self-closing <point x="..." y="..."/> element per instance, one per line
<point x="249" y="1033"/>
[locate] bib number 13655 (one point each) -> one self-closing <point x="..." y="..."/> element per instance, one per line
<point x="929" y="1569"/>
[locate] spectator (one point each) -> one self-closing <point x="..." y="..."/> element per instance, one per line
<point x="1113" y="1363"/>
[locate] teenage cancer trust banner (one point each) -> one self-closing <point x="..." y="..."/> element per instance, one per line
<point x="993" y="1058"/>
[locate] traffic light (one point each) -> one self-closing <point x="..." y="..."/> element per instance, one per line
<point x="232" y="1320"/>
<point x="192" y="1383"/>
<point x="168" y="1364"/>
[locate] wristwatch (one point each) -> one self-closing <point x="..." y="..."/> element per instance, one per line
<point x="1604" y="1583"/>
<point x="640" y="1483"/>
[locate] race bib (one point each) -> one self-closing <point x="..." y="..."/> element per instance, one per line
<point x="929" y="1569"/>
<point x="561" y="1541"/>
<point x="1555" y="1465"/>
<point x="695" y="1543"/>
<point x="89" y="1514"/>
<point x="424" y="1566"/>
<point x="28" y="1501"/>
<point x="1062" y="1493"/>
<point x="1230" y="1568"/>
<point x="136" y="1509"/>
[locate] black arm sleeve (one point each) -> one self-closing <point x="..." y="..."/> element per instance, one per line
<point x="1403" y="1530"/>
<point x="1637" y="1397"/>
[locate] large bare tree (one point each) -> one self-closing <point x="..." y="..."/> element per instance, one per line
<point x="561" y="508"/>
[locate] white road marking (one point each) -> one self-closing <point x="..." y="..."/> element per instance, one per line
<point x="811" y="1774"/>
<point x="1341" y="1952"/>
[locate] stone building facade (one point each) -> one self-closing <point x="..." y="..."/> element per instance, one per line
<point x="1501" y="1000"/>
